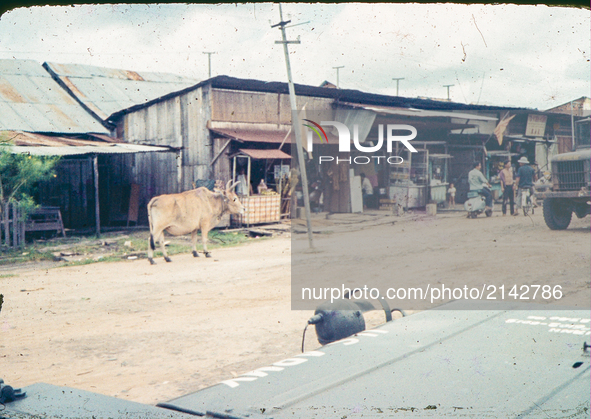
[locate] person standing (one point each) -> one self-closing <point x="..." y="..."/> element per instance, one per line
<point x="367" y="191"/>
<point x="452" y="195"/>
<point x="507" y="183"/>
<point x="242" y="188"/>
<point x="479" y="183"/>
<point x="524" y="179"/>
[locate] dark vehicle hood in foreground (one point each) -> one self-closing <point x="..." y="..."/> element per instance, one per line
<point x="456" y="363"/>
<point x="437" y="363"/>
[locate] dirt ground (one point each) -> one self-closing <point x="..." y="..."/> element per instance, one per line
<point x="152" y="333"/>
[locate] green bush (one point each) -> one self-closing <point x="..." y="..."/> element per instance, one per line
<point x="20" y="174"/>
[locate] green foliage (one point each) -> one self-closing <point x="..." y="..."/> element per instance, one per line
<point x="21" y="173"/>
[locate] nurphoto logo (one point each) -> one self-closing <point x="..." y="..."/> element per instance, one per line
<point x="345" y="141"/>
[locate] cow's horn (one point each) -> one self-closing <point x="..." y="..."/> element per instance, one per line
<point x="234" y="185"/>
<point x="228" y="185"/>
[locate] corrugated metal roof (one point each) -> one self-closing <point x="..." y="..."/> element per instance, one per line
<point x="81" y="150"/>
<point x="30" y="100"/>
<point x="265" y="154"/>
<point x="339" y="95"/>
<point x="106" y="90"/>
<point x="45" y="145"/>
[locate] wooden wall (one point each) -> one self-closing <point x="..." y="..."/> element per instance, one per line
<point x="155" y="173"/>
<point x="72" y="190"/>
<point x="181" y="123"/>
<point x="261" y="108"/>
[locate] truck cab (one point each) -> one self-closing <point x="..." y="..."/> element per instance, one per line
<point x="569" y="191"/>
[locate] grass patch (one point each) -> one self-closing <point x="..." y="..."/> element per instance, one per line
<point x="28" y="254"/>
<point x="111" y="247"/>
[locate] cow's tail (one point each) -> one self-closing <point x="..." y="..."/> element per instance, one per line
<point x="152" y="245"/>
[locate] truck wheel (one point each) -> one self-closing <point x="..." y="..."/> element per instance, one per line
<point x="557" y="216"/>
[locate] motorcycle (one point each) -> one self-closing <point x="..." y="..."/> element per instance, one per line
<point x="476" y="204"/>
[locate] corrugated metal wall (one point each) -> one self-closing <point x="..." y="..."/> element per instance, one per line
<point x="197" y="143"/>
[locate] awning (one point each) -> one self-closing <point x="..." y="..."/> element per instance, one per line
<point x="422" y="113"/>
<point x="254" y="135"/>
<point x="265" y="154"/>
<point x="520" y="139"/>
<point x="46" y="145"/>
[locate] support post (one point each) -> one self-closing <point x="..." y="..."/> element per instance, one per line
<point x="97" y="212"/>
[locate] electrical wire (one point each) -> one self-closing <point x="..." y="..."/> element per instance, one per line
<point x="304" y="336"/>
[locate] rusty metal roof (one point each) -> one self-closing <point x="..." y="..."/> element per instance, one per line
<point x="105" y="91"/>
<point x="46" y="145"/>
<point x="30" y="100"/>
<point x="265" y="154"/>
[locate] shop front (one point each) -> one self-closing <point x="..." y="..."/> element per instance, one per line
<point x="421" y="177"/>
<point x="261" y="175"/>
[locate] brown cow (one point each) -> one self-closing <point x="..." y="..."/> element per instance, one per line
<point x="188" y="212"/>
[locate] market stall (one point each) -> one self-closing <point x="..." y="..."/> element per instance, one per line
<point x="259" y="173"/>
<point x="421" y="177"/>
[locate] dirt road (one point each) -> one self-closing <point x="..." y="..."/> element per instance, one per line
<point x="151" y="333"/>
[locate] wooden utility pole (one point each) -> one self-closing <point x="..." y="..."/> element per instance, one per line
<point x="448" y="86"/>
<point x="338" y="68"/>
<point x="295" y="121"/>
<point x="209" y="63"/>
<point x="397" y="82"/>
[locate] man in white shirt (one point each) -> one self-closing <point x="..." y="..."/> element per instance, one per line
<point x="367" y="190"/>
<point x="479" y="183"/>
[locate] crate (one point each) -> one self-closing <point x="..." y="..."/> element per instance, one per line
<point x="259" y="209"/>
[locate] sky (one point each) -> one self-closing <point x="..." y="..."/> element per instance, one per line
<point x="531" y="56"/>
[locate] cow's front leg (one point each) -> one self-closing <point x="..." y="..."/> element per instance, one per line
<point x="204" y="233"/>
<point x="194" y="243"/>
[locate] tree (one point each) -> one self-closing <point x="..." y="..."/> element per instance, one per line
<point x="21" y="173"/>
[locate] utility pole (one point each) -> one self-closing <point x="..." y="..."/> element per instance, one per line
<point x="295" y="121"/>
<point x="338" y="68"/>
<point x="397" y="81"/>
<point x="209" y="62"/>
<point x="448" y="86"/>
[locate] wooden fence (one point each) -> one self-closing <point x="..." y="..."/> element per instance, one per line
<point x="15" y="222"/>
<point x="12" y="225"/>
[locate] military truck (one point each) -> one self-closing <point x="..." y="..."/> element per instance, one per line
<point x="463" y="360"/>
<point x="569" y="191"/>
